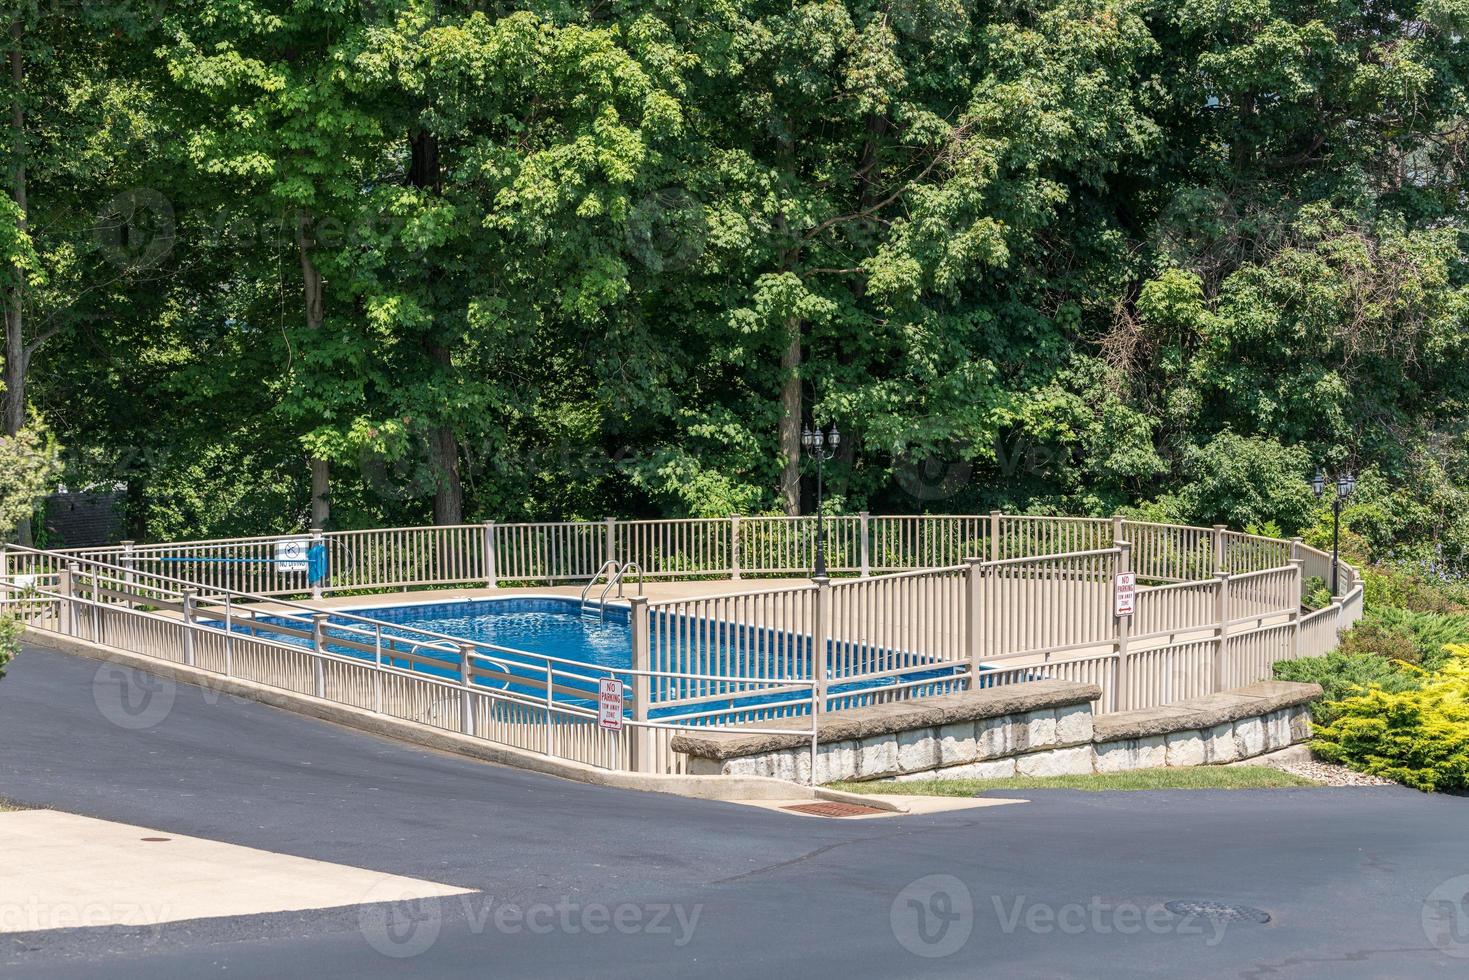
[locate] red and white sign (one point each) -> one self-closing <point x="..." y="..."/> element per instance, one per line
<point x="609" y="704"/>
<point x="1124" y="593"/>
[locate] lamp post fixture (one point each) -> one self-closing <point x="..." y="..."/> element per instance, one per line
<point x="1345" y="484"/>
<point x="822" y="446"/>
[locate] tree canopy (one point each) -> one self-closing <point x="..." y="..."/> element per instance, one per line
<point x="271" y="262"/>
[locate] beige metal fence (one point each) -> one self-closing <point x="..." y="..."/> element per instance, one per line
<point x="969" y="614"/>
<point x="319" y="562"/>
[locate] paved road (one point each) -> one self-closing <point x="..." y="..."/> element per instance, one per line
<point x="580" y="880"/>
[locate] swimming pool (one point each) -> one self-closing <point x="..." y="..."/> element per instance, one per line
<point x="520" y="628"/>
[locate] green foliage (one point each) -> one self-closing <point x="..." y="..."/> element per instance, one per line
<point x="1059" y="258"/>
<point x="1418" y="736"/>
<point x="1428" y="633"/>
<point x="1343" y="675"/>
<point x="29" y="465"/>
<point x="1315" y="593"/>
<point x="1389" y="587"/>
<point x="1374" y="637"/>
<point x="11" y="630"/>
<point x="1242" y="481"/>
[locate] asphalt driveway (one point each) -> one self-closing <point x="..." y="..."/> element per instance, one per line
<point x="574" y="879"/>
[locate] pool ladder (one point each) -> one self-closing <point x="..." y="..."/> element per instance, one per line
<point x="615" y="577"/>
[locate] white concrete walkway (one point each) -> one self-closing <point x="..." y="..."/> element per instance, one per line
<point x="60" y="871"/>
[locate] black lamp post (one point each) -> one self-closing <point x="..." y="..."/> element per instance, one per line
<point x="1345" y="484"/>
<point x="822" y="446"/>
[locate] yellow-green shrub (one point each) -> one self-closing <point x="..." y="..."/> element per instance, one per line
<point x="1419" y="737"/>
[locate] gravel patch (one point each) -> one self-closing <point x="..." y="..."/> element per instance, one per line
<point x="1327" y="773"/>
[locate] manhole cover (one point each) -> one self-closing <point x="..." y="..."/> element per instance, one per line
<point x="834" y="809"/>
<point x="1218" y="912"/>
<point x="155" y="838"/>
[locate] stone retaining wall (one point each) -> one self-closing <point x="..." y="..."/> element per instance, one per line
<point x="1038" y="728"/>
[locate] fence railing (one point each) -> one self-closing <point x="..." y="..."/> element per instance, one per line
<point x="319" y="562"/>
<point x="980" y="617"/>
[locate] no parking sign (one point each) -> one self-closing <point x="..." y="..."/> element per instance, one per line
<point x="1124" y="593"/>
<point x="609" y="704"/>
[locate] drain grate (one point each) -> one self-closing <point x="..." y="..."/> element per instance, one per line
<point x="1218" y="912"/>
<point x="830" y="809"/>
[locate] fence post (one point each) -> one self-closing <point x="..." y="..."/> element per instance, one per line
<point x="994" y="535"/>
<point x="318" y="644"/>
<point x="311" y="573"/>
<point x="642" y="684"/>
<point x="866" y="547"/>
<point x="66" y="588"/>
<point x="127" y="564"/>
<point x="734" y="546"/>
<point x="1296" y="546"/>
<point x="973" y="597"/>
<point x="1221" y="631"/>
<point x="229" y="637"/>
<point x="189" y="598"/>
<point x="1117" y="534"/>
<point x="466" y="700"/>
<point x="820" y="641"/>
<point x="490" y="555"/>
<point x="1297" y="585"/>
<point x="1219" y="530"/>
<point x="610" y="545"/>
<point x="1121" y="669"/>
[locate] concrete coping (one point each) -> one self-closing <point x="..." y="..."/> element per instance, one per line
<point x="887" y="719"/>
<point x="1251" y="700"/>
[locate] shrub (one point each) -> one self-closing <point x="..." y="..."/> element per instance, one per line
<point x="1384" y="587"/>
<point x="1431" y="632"/>
<point x="10" y="632"/>
<point x="1419" y="736"/>
<point x="1314" y="593"/>
<point x="1372" y="636"/>
<point x="1341" y="676"/>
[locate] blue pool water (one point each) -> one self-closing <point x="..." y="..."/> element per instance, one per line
<point x="554" y="627"/>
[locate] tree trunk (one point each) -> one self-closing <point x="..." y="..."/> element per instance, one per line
<point x="424" y="172"/>
<point x="449" y="490"/>
<point x="15" y="351"/>
<point x="790" y="419"/>
<point x="321" y="508"/>
<point x="444" y="455"/>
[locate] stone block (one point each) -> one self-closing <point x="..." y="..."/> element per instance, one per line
<point x="1300" y="725"/>
<point x="1056" y="762"/>
<point x="1277" y="729"/>
<point x="1132" y="753"/>
<point x="1249" y="737"/>
<point x="956" y="743"/>
<point x="1036" y="729"/>
<point x="1074" y="724"/>
<point x="792" y="765"/>
<point x="836" y="762"/>
<point x="1186" y="749"/>
<point x="877" y="756"/>
<point x="993" y="738"/>
<point x="1219" y="745"/>
<point x="994" y="769"/>
<point x="918" y="750"/>
<point x="754" y="765"/>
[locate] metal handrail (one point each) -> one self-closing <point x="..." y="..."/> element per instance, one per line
<point x="617" y="576"/>
<point x="610" y="562"/>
